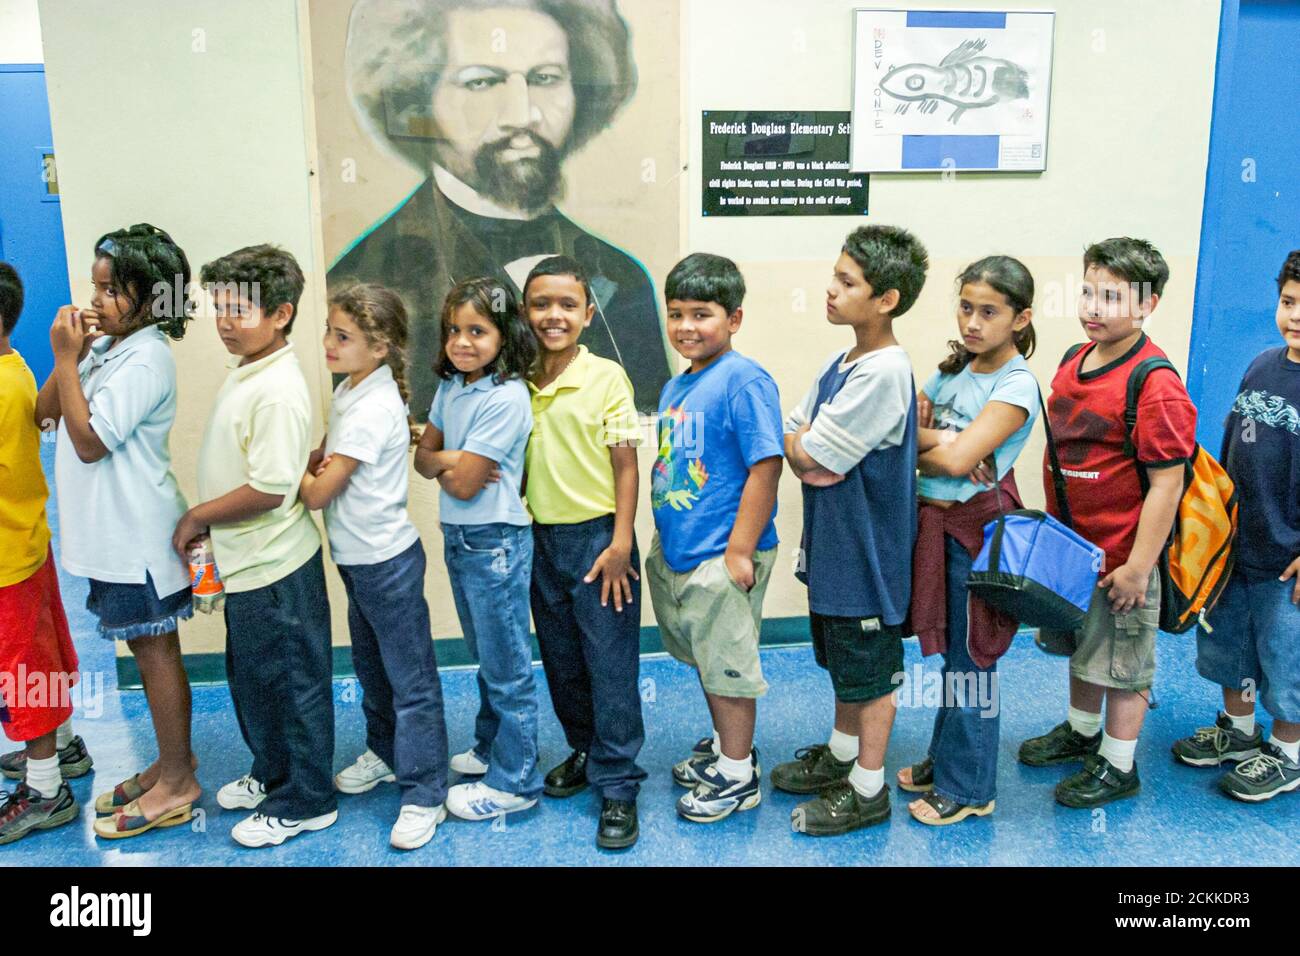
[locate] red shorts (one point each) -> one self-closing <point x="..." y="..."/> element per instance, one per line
<point x="38" y="664"/>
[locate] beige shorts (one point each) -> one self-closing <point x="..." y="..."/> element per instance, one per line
<point x="1118" y="650"/>
<point x="707" y="621"/>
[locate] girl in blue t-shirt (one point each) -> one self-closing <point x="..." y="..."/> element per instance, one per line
<point x="975" y="414"/>
<point x="474" y="447"/>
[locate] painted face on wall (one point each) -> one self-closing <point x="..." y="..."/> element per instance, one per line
<point x="504" y="104"/>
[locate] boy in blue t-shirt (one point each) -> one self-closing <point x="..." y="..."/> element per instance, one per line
<point x="713" y="491"/>
<point x="1254" y="650"/>
<point x="852" y="442"/>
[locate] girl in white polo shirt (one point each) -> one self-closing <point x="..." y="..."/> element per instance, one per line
<point x="113" y="395"/>
<point x="359" y="476"/>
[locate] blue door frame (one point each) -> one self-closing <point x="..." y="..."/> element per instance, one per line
<point x="1252" y="202"/>
<point x="31" y="220"/>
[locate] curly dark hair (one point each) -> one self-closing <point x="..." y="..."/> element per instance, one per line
<point x="151" y="270"/>
<point x="494" y="300"/>
<point x="396" y="54"/>
<point x="268" y="275"/>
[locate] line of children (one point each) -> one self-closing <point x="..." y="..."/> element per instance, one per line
<point x="537" y="500"/>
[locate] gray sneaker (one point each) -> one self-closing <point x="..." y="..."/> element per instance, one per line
<point x="1261" y="777"/>
<point x="74" y="761"/>
<point x="1212" y="746"/>
<point x="25" y="810"/>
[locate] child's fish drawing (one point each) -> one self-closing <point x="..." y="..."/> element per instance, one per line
<point x="963" y="78"/>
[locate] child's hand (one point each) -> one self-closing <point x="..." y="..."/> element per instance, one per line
<point x="187" y="529"/>
<point x="924" y="411"/>
<point x="985" y="473"/>
<point x="315" y="461"/>
<point x="1293" y="571"/>
<point x="69" y="336"/>
<point x="494" y="476"/>
<point x="320" y="465"/>
<point x="613" y="567"/>
<point x="820" y="478"/>
<point x="741" y="569"/>
<point x="1128" y="588"/>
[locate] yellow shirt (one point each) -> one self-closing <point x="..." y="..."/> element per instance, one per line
<point x="259" y="434"/>
<point x="575" y="421"/>
<point x="24" y="532"/>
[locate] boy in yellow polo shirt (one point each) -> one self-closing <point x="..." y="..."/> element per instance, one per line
<point x="582" y="491"/>
<point x="36" y="654"/>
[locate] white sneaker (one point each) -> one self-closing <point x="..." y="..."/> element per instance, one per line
<point x="415" y="825"/>
<point x="365" y="774"/>
<point x="478" y="801"/>
<point x="261" y="830"/>
<point x="468" y="764"/>
<point x="242" y="794"/>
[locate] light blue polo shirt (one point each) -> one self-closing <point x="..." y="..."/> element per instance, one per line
<point x="493" y="421"/>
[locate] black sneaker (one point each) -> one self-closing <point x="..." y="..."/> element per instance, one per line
<point x="618" y="828"/>
<point x="74" y="761"/>
<point x="1061" y="744"/>
<point x="1263" y="776"/>
<point x="812" y="770"/>
<point x="568" y="778"/>
<point x="1097" y="783"/>
<point x="840" y="809"/>
<point x="690" y="772"/>
<point x="1211" y="746"/>
<point x="25" y="810"/>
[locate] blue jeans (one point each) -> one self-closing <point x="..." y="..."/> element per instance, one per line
<point x="490" y="566"/>
<point x="280" y="668"/>
<point x="964" y="746"/>
<point x="1256" y="638"/>
<point x="592" y="654"/>
<point x="392" y="652"/>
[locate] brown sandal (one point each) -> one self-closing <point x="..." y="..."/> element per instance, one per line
<point x="949" y="811"/>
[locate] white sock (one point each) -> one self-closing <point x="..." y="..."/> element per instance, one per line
<point x="43" y="776"/>
<point x="1118" y="752"/>
<point x="1292" y="750"/>
<point x="1085" y="723"/>
<point x="738" y="771"/>
<point x="63" y="734"/>
<point x="1243" y="725"/>
<point x="868" y="783"/>
<point x="844" y="747"/>
<point x="717" y="744"/>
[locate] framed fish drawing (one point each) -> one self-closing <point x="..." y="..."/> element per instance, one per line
<point x="937" y="90"/>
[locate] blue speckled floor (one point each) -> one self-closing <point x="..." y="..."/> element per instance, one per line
<point x="1179" y="819"/>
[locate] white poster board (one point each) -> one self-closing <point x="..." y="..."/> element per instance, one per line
<point x="951" y="89"/>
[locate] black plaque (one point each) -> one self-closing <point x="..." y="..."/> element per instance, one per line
<point x="780" y="163"/>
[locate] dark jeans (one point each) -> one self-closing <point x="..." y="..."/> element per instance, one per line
<point x="392" y="652"/>
<point x="964" y="746"/>
<point x="489" y="566"/>
<point x="591" y="654"/>
<point x="280" y="667"/>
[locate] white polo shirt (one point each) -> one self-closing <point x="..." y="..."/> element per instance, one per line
<point x="367" y="523"/>
<point x="259" y="434"/>
<point x="117" y="515"/>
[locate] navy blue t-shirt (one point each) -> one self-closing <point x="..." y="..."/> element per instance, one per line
<point x="1261" y="453"/>
<point x="858" y="534"/>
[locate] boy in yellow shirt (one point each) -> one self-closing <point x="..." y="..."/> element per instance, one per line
<point x="37" y="659"/>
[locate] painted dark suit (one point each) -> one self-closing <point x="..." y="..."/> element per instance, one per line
<point x="428" y="244"/>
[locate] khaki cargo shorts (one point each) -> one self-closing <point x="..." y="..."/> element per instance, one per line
<point x="707" y="621"/>
<point x="1118" y="650"/>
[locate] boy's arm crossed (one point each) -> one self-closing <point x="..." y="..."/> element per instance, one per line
<point x="1128" y="582"/>
<point x="755" y="511"/>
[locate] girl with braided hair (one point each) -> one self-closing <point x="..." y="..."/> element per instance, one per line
<point x="359" y="475"/>
<point x="112" y="396"/>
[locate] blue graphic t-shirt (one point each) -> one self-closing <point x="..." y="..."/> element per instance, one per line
<point x="713" y="426"/>
<point x="1261" y="452"/>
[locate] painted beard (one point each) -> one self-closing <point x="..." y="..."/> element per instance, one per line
<point x="523" y="184"/>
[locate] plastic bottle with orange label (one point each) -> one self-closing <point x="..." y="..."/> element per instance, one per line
<point x="209" y="594"/>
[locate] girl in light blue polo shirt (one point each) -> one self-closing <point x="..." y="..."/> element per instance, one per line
<point x="113" y="396"/>
<point x="474" y="447"/>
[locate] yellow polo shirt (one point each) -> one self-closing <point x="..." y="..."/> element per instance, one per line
<point x="575" y="421"/>
<point x="259" y="434"/>
<point x="24" y="532"/>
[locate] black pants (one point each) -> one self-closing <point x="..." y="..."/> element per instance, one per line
<point x="280" y="666"/>
<point x="591" y="654"/>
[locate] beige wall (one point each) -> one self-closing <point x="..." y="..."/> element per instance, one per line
<point x="229" y="155"/>
<point x="1122" y="160"/>
<point x="20" y="32"/>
